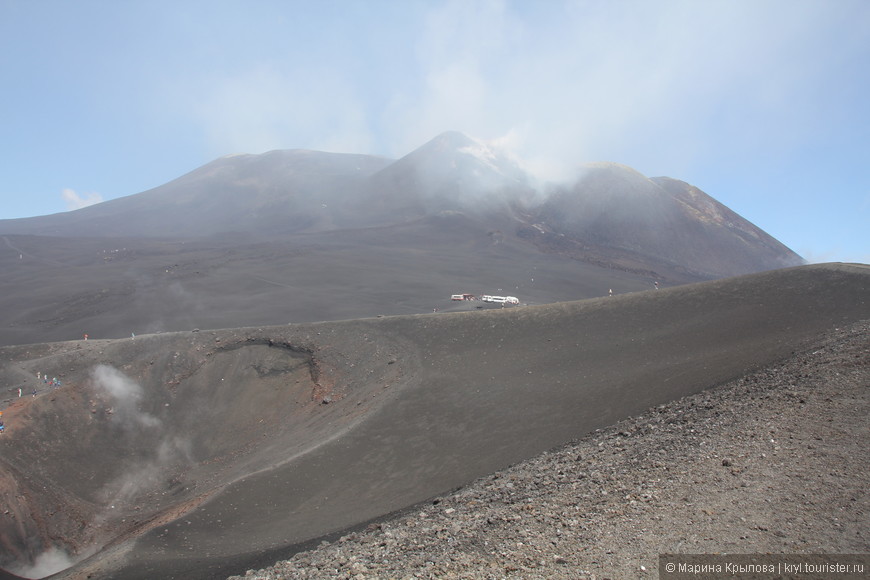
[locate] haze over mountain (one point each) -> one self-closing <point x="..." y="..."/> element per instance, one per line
<point x="303" y="191"/>
<point x="302" y="235"/>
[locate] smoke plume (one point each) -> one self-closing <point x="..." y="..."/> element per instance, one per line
<point x="124" y="394"/>
<point x="75" y="201"/>
<point x="49" y="562"/>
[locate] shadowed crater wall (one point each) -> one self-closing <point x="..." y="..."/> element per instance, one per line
<point x="143" y="429"/>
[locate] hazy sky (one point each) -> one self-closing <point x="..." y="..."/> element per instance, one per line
<point x="763" y="104"/>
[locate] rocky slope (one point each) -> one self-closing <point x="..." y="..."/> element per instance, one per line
<point x="774" y="462"/>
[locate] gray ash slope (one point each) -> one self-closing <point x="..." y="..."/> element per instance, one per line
<point x="773" y="462"/>
<point x="248" y="462"/>
<point x="297" y="236"/>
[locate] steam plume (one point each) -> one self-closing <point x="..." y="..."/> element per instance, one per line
<point x="125" y="394"/>
<point x="49" y="562"/>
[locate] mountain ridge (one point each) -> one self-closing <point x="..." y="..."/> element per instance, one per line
<point x="301" y="235"/>
<point x="297" y="190"/>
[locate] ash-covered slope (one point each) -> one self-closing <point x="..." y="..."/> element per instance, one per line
<point x="659" y="222"/>
<point x="63" y="288"/>
<point x="272" y="193"/>
<point x="260" y="439"/>
<point x="752" y="466"/>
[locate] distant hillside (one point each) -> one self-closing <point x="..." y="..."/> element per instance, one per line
<point x="279" y="191"/>
<point x="295" y="236"/>
<point x="614" y="211"/>
<point x="612" y="214"/>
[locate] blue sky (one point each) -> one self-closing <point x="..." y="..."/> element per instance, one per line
<point x="765" y="105"/>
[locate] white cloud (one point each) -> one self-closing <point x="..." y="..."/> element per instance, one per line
<point x="267" y="107"/>
<point x="667" y="85"/>
<point x="75" y="201"/>
<point x="686" y="89"/>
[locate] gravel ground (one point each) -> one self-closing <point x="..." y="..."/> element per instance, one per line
<point x="774" y="462"/>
